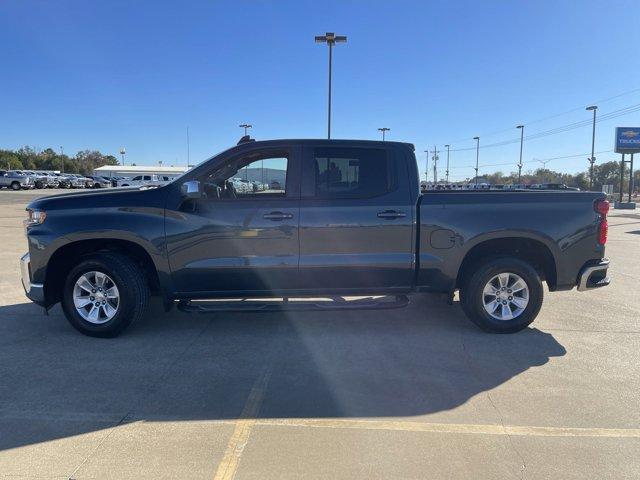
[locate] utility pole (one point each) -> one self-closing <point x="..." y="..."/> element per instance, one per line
<point x="62" y="157"/>
<point x="426" y="168"/>
<point x="330" y="39"/>
<point x="383" y="130"/>
<point x="435" y="164"/>
<point x="447" y="163"/>
<point x="477" y="139"/>
<point x="592" y="160"/>
<point x="521" y="128"/>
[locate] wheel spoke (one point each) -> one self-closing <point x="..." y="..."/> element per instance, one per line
<point x="506" y="312"/>
<point x="81" y="302"/>
<point x="93" y="314"/>
<point x="503" y="278"/>
<point x="84" y="283"/>
<point x="109" y="311"/>
<point x="520" y="302"/>
<point x="518" y="285"/>
<point x="100" y="278"/>
<point x="111" y="292"/>
<point x="489" y="290"/>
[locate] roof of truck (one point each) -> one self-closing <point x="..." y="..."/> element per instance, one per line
<point x="332" y="141"/>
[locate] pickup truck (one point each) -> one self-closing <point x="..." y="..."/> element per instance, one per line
<point x="15" y="180"/>
<point x="347" y="220"/>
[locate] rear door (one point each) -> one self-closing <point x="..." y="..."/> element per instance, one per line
<point x="356" y="219"/>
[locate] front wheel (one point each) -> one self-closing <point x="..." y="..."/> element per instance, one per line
<point x="104" y="294"/>
<point x="503" y="295"/>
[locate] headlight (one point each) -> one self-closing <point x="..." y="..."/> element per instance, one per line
<point x="34" y="217"/>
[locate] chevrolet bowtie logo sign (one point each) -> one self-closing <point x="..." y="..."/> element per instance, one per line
<point x="627" y="140"/>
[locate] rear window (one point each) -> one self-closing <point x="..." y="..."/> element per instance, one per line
<point x="352" y="172"/>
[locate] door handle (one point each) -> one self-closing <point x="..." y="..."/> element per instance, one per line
<point x="277" y="216"/>
<point x="391" y="214"/>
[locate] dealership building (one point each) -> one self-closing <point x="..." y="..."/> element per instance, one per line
<point x="133" y="170"/>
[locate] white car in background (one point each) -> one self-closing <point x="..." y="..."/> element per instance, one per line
<point x="150" y="180"/>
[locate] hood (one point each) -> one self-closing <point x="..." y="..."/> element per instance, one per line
<point x="113" y="197"/>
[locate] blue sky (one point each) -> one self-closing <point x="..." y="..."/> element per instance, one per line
<point x="105" y="74"/>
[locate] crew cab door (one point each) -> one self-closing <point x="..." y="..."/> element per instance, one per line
<point x="356" y="219"/>
<point x="238" y="241"/>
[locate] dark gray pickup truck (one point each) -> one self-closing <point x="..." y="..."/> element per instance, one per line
<point x="300" y="218"/>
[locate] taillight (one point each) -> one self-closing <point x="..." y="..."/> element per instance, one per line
<point x="601" y="207"/>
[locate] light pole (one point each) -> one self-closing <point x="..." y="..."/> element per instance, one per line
<point x="521" y="127"/>
<point x="246" y="126"/>
<point x="122" y="152"/>
<point x="447" y="163"/>
<point x="592" y="160"/>
<point x="477" y="139"/>
<point x="62" y="157"/>
<point x="330" y="39"/>
<point x="383" y="130"/>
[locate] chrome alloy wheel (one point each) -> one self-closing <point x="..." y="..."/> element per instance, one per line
<point x="505" y="296"/>
<point x="96" y="297"/>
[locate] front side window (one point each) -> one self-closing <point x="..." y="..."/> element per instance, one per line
<point x="139" y="177"/>
<point x="351" y="172"/>
<point x="147" y="177"/>
<point x="257" y="175"/>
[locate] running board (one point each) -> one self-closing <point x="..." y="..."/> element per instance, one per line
<point x="300" y="304"/>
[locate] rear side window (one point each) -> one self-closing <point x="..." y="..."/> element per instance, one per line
<point x="352" y="172"/>
<point x="147" y="177"/>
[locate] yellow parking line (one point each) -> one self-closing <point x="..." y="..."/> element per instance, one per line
<point x="478" y="429"/>
<point x="228" y="466"/>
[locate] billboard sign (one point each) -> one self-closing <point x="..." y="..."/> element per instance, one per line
<point x="627" y="139"/>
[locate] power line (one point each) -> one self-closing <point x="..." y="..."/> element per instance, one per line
<point x="543" y="119"/>
<point x="557" y="130"/>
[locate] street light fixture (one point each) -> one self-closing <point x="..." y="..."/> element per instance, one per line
<point x="447" y="163"/>
<point x="477" y="139"/>
<point x="122" y="152"/>
<point x="245" y="126"/>
<point x="383" y="130"/>
<point x="521" y="127"/>
<point x="592" y="160"/>
<point x="330" y="39"/>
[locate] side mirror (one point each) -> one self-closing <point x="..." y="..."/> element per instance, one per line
<point x="191" y="189"/>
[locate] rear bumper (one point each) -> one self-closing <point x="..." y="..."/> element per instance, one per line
<point x="594" y="275"/>
<point x="34" y="291"/>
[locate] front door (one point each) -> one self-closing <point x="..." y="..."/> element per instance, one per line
<point x="243" y="237"/>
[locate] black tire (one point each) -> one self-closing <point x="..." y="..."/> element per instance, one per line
<point x="472" y="296"/>
<point x="15" y="186"/>
<point x="132" y="286"/>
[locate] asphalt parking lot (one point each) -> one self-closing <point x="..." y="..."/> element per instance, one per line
<point x="412" y="393"/>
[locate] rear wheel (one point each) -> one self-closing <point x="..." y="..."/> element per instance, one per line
<point x="503" y="295"/>
<point x="104" y="294"/>
<point x="15" y="186"/>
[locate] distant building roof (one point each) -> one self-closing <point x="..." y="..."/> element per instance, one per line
<point x="140" y="169"/>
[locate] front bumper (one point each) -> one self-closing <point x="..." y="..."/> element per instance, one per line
<point x="594" y="275"/>
<point x="34" y="291"/>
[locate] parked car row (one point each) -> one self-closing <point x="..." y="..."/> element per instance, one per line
<point x="27" y="179"/>
<point x="488" y="186"/>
